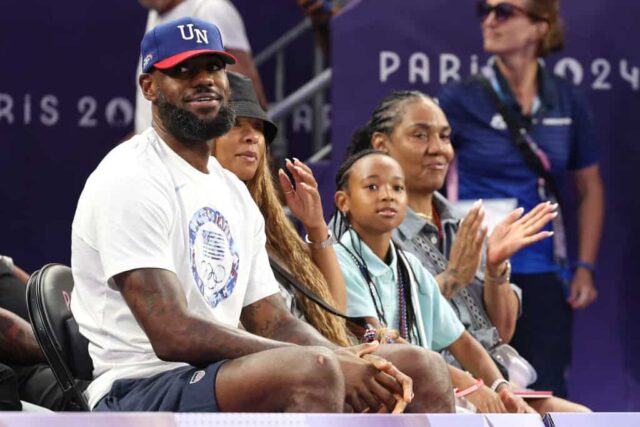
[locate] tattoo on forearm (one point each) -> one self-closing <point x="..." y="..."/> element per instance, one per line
<point x="271" y="319"/>
<point x="262" y="317"/>
<point x="450" y="286"/>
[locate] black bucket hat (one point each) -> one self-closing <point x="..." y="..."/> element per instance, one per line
<point x="245" y="103"/>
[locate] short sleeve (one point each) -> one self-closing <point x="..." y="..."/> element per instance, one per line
<point x="262" y="283"/>
<point x="359" y="302"/>
<point x="584" y="147"/>
<point x="133" y="218"/>
<point x="226" y="17"/>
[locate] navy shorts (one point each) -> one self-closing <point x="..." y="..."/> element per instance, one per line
<point x="184" y="389"/>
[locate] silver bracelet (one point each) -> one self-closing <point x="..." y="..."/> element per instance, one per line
<point x="320" y="245"/>
<point x="498" y="382"/>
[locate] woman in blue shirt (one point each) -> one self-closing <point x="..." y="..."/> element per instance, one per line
<point x="556" y="120"/>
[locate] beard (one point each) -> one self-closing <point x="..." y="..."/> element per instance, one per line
<point x="186" y="126"/>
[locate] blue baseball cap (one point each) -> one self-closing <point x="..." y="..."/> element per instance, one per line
<point x="171" y="43"/>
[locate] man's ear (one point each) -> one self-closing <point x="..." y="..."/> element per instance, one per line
<point x="341" y="199"/>
<point x="379" y="142"/>
<point x="146" y="84"/>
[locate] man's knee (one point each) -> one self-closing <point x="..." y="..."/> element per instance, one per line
<point x="431" y="378"/>
<point x="316" y="374"/>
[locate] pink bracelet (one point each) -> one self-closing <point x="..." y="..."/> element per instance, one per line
<point x="479" y="383"/>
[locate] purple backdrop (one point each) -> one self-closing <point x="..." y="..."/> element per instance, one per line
<point x="66" y="98"/>
<point x="421" y="44"/>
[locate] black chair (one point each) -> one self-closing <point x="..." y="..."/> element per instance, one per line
<point x="66" y="350"/>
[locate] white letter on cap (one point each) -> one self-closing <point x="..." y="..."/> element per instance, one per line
<point x="389" y="63"/>
<point x="185" y="37"/>
<point x="419" y="67"/>
<point x="201" y="36"/>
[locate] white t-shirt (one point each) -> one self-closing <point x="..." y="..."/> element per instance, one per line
<point x="222" y="13"/>
<point x="146" y="207"/>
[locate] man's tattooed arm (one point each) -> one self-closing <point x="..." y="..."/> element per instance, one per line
<point x="270" y="318"/>
<point x="17" y="342"/>
<point x="159" y="305"/>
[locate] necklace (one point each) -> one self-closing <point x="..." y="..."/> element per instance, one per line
<point x="428" y="218"/>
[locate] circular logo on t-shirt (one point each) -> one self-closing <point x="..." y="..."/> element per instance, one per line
<point x="214" y="256"/>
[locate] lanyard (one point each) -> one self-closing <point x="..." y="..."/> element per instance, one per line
<point x="373" y="291"/>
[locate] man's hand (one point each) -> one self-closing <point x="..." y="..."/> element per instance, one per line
<point x="514" y="404"/>
<point x="373" y="382"/>
<point x="583" y="291"/>
<point x="516" y="232"/>
<point x="466" y="252"/>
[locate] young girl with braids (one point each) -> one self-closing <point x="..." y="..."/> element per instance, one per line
<point x="390" y="288"/>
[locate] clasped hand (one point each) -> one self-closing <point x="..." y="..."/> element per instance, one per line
<point x="373" y="383"/>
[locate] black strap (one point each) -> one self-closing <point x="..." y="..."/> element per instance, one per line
<point x="284" y="276"/>
<point x="517" y="135"/>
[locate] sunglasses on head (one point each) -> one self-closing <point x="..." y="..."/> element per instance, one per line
<point x="503" y="11"/>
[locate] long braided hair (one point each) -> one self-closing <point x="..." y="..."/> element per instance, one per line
<point x="284" y="242"/>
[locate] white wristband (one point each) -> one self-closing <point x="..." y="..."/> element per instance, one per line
<point x="498" y="382"/>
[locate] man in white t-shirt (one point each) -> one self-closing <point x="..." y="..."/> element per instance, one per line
<point x="168" y="255"/>
<point x="221" y="13"/>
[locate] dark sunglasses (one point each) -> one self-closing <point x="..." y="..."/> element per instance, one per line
<point x="503" y="11"/>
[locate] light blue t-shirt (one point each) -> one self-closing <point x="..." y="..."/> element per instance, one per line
<point x="439" y="323"/>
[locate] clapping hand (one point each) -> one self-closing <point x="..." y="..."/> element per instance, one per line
<point x="515" y="232"/>
<point x="466" y="252"/>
